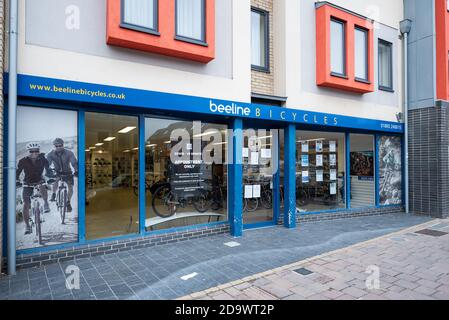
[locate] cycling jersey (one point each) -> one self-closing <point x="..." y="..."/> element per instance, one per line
<point x="33" y="169"/>
<point x="62" y="161"/>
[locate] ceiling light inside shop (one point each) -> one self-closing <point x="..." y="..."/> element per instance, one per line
<point x="108" y="139"/>
<point x="207" y="133"/>
<point x="151" y="145"/>
<point x="127" y="129"/>
<point x="92" y="148"/>
<point x="266" y="137"/>
<point x="87" y="150"/>
<point x="126" y="151"/>
<point x="135" y="149"/>
<point x="219" y="143"/>
<point x="167" y="142"/>
<point x="99" y="144"/>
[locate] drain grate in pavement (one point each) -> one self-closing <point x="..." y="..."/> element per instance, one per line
<point x="433" y="233"/>
<point x="303" y="271"/>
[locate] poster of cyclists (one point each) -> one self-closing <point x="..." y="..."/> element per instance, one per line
<point x="390" y="185"/>
<point x="47" y="177"/>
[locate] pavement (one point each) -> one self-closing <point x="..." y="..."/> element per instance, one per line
<point x="184" y="269"/>
<point x="411" y="264"/>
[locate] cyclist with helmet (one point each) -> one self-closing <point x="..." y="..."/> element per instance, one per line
<point x="66" y="166"/>
<point x="33" y="165"/>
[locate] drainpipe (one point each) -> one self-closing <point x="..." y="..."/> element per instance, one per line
<point x="12" y="108"/>
<point x="405" y="27"/>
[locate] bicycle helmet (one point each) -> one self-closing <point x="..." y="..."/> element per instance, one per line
<point x="33" y="146"/>
<point x="58" y="141"/>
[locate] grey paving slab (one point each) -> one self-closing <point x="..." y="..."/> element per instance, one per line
<point x="160" y="268"/>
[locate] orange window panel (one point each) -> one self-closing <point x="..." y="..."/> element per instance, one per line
<point x="325" y="13"/>
<point x="164" y="41"/>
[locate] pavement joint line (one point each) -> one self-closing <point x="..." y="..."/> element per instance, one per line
<point x="299" y="263"/>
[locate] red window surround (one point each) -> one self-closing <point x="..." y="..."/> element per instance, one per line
<point x="442" y="49"/>
<point x="324" y="14"/>
<point x="164" y="43"/>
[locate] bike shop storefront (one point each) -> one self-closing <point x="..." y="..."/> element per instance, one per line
<point x="151" y="163"/>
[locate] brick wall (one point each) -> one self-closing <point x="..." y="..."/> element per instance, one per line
<point x="2" y="37"/>
<point x="429" y="160"/>
<point x="263" y="82"/>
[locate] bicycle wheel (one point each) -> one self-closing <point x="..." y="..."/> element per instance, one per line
<point x="202" y="202"/>
<point x="163" y="202"/>
<point x="301" y="198"/>
<point x="252" y="204"/>
<point x="37" y="221"/>
<point x="62" y="206"/>
<point x="267" y="199"/>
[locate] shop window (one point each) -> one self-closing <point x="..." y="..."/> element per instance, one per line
<point x="344" y="49"/>
<point x="320" y="171"/>
<point x="260" y="160"/>
<point x="185" y="173"/>
<point x="259" y="39"/>
<point x="112" y="170"/>
<point x="338" y="51"/>
<point x="140" y="15"/>
<point x="190" y="20"/>
<point x="186" y="31"/>
<point x="390" y="170"/>
<point x="47" y="177"/>
<point x="385" y="65"/>
<point x="361" y="54"/>
<point x="362" y="171"/>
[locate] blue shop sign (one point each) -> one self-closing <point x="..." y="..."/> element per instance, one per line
<point x="48" y="88"/>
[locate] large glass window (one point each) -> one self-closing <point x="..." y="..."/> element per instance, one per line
<point x="320" y="171"/>
<point x="185" y="173"/>
<point x="259" y="167"/>
<point x="390" y="170"/>
<point x="259" y="39"/>
<point x="140" y="14"/>
<point x="361" y="54"/>
<point x="385" y="65"/>
<point x="47" y="177"/>
<point x="338" y="48"/>
<point x="112" y="165"/>
<point x="362" y="170"/>
<point x="190" y="19"/>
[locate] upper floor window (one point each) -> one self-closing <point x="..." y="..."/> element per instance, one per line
<point x="338" y="47"/>
<point x="385" y="65"/>
<point x="140" y="15"/>
<point x="190" y="20"/>
<point x="259" y="39"/>
<point x="361" y="54"/>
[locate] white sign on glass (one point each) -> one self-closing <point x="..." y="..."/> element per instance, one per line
<point x="332" y="146"/>
<point x="254" y="158"/>
<point x="248" y="191"/>
<point x="245" y="153"/>
<point x="319" y="176"/>
<point x="319" y="160"/>
<point x="333" y="174"/>
<point x="266" y="153"/>
<point x="256" y="191"/>
<point x="333" y="188"/>
<point x="319" y="146"/>
<point x="333" y="159"/>
<point x="305" y="146"/>
<point x="305" y="176"/>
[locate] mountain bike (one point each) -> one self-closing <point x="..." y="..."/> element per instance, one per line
<point x="37" y="208"/>
<point x="165" y="202"/>
<point x="62" y="195"/>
